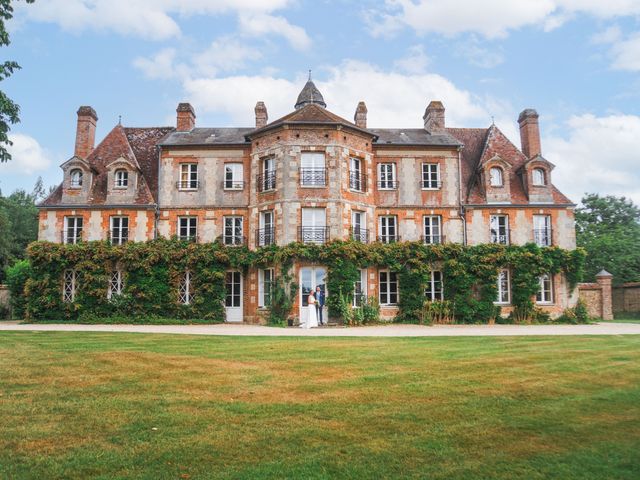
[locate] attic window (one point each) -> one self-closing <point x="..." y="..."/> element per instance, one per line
<point x="495" y="175"/>
<point x="538" y="177"/>
<point x="76" y="178"/>
<point x="122" y="178"/>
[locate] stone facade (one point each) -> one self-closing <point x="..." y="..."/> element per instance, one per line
<point x="313" y="176"/>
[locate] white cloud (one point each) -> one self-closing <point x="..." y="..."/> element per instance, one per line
<point x="28" y="156"/>
<point x="598" y="154"/>
<point x="478" y="55"/>
<point x="611" y="34"/>
<point x="490" y="18"/>
<point x="626" y="54"/>
<point x="262" y="24"/>
<point x="160" y="65"/>
<point x="415" y="61"/>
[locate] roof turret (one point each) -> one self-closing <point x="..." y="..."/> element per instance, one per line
<point x="310" y="94"/>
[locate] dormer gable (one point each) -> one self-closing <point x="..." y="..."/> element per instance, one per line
<point x="495" y="175"/>
<point x="535" y="175"/>
<point x="122" y="180"/>
<point x="77" y="180"/>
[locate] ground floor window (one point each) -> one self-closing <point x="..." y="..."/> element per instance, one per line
<point x="233" y="285"/>
<point x="504" y="293"/>
<point x="69" y="286"/>
<point x="186" y="290"/>
<point x="116" y="284"/>
<point x="545" y="294"/>
<point x="388" y="287"/>
<point x="433" y="291"/>
<point x="360" y="289"/>
<point x="265" y="287"/>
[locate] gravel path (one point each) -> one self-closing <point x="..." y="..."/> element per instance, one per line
<point x="394" y="330"/>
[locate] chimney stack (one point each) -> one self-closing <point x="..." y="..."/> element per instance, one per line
<point x="261" y="115"/>
<point x="86" y="131"/>
<point x="186" y="120"/>
<point x="360" y="116"/>
<point x="434" y="117"/>
<point x="529" y="133"/>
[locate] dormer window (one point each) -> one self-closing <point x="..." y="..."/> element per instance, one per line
<point x="539" y="177"/>
<point x="495" y="175"/>
<point x="76" y="178"/>
<point x="121" y="179"/>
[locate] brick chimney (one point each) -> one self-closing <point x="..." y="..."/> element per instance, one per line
<point x="360" y="116"/>
<point x="529" y="133"/>
<point x="86" y="131"/>
<point x="434" y="117"/>
<point x="261" y="115"/>
<point x="186" y="120"/>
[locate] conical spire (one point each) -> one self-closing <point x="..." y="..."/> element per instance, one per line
<point x="310" y="94"/>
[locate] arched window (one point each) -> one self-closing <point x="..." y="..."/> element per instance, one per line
<point x="496" y="177"/>
<point x="76" y="177"/>
<point x="122" y="178"/>
<point x="538" y="177"/>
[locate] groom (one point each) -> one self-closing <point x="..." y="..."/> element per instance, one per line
<point x="319" y="295"/>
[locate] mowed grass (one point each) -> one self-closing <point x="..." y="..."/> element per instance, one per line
<point x="84" y="405"/>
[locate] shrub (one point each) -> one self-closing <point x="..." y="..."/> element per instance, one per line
<point x="575" y="315"/>
<point x="438" y="312"/>
<point x="370" y="310"/>
<point x="17" y="276"/>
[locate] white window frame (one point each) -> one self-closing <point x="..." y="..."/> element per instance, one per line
<point x="545" y="293"/>
<point x="504" y="294"/>
<point x="185" y="291"/>
<point x="233" y="176"/>
<point x="69" y="286"/>
<point x="191" y="226"/>
<point x="356" y="176"/>
<point x="236" y="294"/>
<point x="360" y="289"/>
<point x="121" y="178"/>
<point x="76" y="177"/>
<point x="265" y="287"/>
<point x="123" y="231"/>
<point x="188" y="176"/>
<point x="116" y="283"/>
<point x="315" y="165"/>
<point x="538" y="177"/>
<point x="76" y="229"/>
<point x="428" y="182"/>
<point x="235" y="225"/>
<point x="434" y="291"/>
<point x="387" y="178"/>
<point x="432" y="223"/>
<point x="268" y="179"/>
<point x="359" y="225"/>
<point x="496" y="180"/>
<point x="267" y="237"/>
<point x="385" y="297"/>
<point x="542" y="236"/>
<point x="314" y="220"/>
<point x="501" y="235"/>
<point x="384" y="227"/>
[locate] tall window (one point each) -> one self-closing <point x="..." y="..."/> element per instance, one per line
<point x="267" y="179"/>
<point x="545" y="294"/>
<point x="504" y="292"/>
<point x="265" y="285"/>
<point x="499" y="229"/>
<point x="122" y="178"/>
<point x="432" y="229"/>
<point x="185" y="292"/>
<point x="538" y="177"/>
<point x="76" y="178"/>
<point x="188" y="176"/>
<point x="233" y="231"/>
<point x="430" y="176"/>
<point x="233" y="176"/>
<point x="359" y="230"/>
<point x="360" y="289"/>
<point x="69" y="286"/>
<point x="233" y="285"/>
<point x="387" y="176"/>
<point x="312" y="169"/>
<point x="314" y="227"/>
<point x="119" y="230"/>
<point x="542" y="230"/>
<point x="266" y="232"/>
<point x="433" y="290"/>
<point x="495" y="177"/>
<point x="72" y="229"/>
<point x="388" y="229"/>
<point x="188" y="228"/>
<point x="357" y="180"/>
<point x="388" y="287"/>
<point x="116" y="284"/>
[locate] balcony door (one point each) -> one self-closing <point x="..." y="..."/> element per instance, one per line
<point x="314" y="225"/>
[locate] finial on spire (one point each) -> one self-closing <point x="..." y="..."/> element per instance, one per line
<point x="119" y="119"/>
<point x="493" y="120"/>
<point x="309" y="74"/>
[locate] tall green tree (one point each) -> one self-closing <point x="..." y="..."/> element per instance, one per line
<point x="608" y="228"/>
<point x="9" y="110"/>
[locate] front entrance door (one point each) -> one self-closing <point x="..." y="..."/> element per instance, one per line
<point x="310" y="278"/>
<point x="233" y="299"/>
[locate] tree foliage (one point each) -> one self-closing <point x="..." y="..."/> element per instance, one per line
<point x="608" y="228"/>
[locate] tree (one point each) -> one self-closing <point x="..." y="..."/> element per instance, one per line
<point x="608" y="228"/>
<point x="9" y="110"/>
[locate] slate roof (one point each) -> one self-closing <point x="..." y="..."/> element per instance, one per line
<point x="309" y="95"/>
<point x="412" y="136"/>
<point x="208" y="136"/>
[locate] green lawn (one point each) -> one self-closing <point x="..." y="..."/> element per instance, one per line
<point x="78" y="406"/>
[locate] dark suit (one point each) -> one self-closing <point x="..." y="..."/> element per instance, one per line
<point x="319" y="296"/>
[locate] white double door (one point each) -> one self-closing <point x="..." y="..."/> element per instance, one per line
<point x="310" y="278"/>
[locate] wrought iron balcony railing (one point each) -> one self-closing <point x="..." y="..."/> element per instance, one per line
<point x="542" y="237"/>
<point x="233" y="240"/>
<point x="430" y="184"/>
<point x="188" y="185"/>
<point x="265" y="236"/>
<point x="233" y="185"/>
<point x="266" y="181"/>
<point x="313" y="234"/>
<point x="313" y="177"/>
<point x="360" y="235"/>
<point x="388" y="238"/>
<point x="387" y="185"/>
<point x="501" y="237"/>
<point x="358" y="181"/>
<point x="188" y="238"/>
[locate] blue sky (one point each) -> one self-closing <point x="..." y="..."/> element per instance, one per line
<point x="576" y="61"/>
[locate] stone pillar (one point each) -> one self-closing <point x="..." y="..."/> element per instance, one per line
<point x="604" y="279"/>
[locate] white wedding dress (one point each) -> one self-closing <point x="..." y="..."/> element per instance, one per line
<point x="312" y="318"/>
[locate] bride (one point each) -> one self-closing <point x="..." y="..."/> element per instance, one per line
<point x="312" y="319"/>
